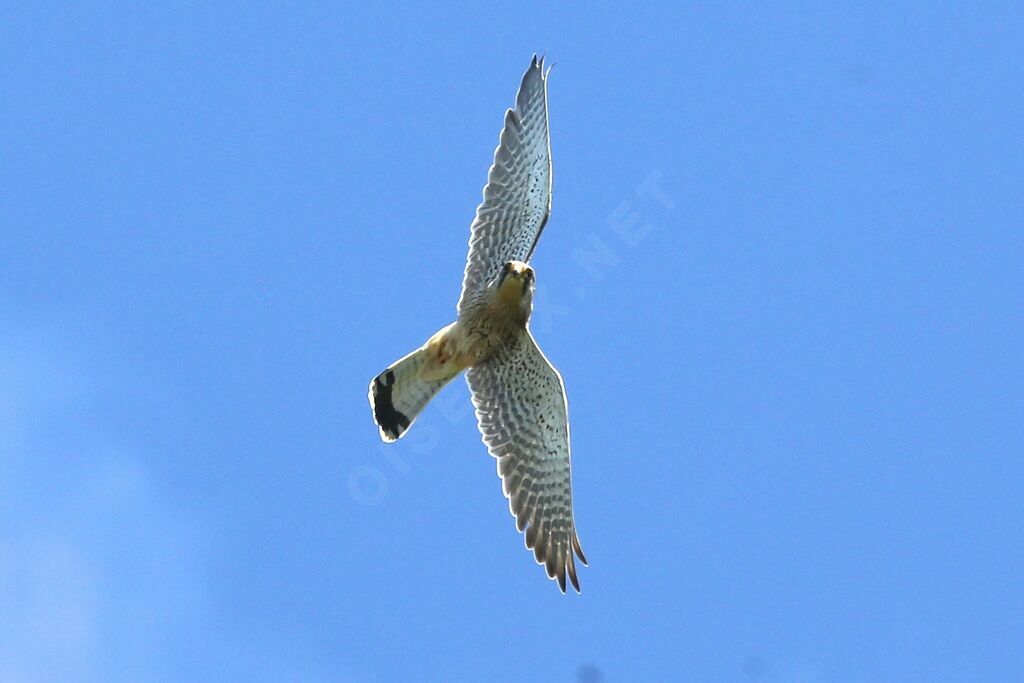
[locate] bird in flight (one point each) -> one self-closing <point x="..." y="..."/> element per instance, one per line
<point x="518" y="395"/>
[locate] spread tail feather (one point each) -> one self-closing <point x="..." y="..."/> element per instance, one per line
<point x="398" y="394"/>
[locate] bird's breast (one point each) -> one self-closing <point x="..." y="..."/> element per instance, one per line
<point x="479" y="335"/>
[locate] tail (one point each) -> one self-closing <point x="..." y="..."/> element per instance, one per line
<point x="398" y="394"/>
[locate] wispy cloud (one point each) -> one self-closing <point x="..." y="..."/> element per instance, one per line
<point x="102" y="573"/>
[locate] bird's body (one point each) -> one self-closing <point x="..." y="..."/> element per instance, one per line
<point x="518" y="395"/>
<point x="485" y="325"/>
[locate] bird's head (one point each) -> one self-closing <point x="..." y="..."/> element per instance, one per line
<point x="514" y="286"/>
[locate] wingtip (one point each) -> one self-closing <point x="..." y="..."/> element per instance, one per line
<point x="537" y="62"/>
<point x="572" y="576"/>
<point x="579" y="549"/>
<point x="542" y="62"/>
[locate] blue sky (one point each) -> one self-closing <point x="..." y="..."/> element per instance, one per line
<point x="783" y="282"/>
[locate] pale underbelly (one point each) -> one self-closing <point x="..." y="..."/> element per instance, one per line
<point x="461" y="345"/>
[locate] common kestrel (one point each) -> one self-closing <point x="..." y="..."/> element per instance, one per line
<point x="518" y="395"/>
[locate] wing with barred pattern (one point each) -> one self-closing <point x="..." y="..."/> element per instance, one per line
<point x="521" y="409"/>
<point x="517" y="197"/>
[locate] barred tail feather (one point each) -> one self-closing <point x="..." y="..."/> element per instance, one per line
<point x="398" y="394"/>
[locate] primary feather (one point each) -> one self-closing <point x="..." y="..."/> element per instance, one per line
<point x="517" y="197"/>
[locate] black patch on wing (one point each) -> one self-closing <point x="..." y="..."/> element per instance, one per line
<point x="390" y="420"/>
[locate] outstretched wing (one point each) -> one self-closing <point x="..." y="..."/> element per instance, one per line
<point x="517" y="197"/>
<point x="521" y="408"/>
